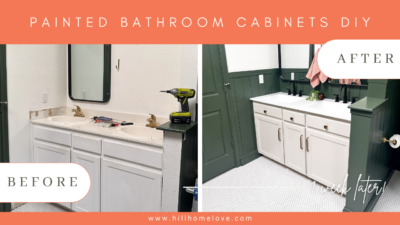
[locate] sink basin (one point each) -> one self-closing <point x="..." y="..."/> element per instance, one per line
<point x="282" y="98"/>
<point x="141" y="132"/>
<point x="336" y="107"/>
<point x="287" y="98"/>
<point x="69" y="119"/>
<point x="327" y="107"/>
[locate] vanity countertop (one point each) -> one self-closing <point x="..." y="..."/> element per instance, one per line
<point x="326" y="107"/>
<point x="92" y="128"/>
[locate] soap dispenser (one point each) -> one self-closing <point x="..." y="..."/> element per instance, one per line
<point x="337" y="98"/>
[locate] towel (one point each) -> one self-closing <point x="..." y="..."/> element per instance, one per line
<point x="315" y="74"/>
<point x="349" y="81"/>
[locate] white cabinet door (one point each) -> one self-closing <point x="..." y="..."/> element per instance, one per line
<point x="294" y="144"/>
<point x="48" y="153"/>
<point x="269" y="137"/>
<point x="327" y="157"/>
<point x="91" y="162"/>
<point x="128" y="187"/>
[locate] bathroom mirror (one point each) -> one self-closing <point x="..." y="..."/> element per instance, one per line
<point x="295" y="60"/>
<point x="89" y="72"/>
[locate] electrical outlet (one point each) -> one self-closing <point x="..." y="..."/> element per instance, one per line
<point x="292" y="76"/>
<point x="44" y="97"/>
<point x="84" y="94"/>
<point x="261" y="79"/>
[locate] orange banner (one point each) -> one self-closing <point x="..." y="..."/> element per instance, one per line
<point x="195" y="22"/>
<point x="196" y="218"/>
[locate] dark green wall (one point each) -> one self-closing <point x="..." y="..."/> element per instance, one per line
<point x="242" y="89"/>
<point x="328" y="89"/>
<point x="373" y="118"/>
<point x="4" y="147"/>
<point x="243" y="86"/>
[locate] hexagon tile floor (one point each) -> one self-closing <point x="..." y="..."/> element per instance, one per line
<point x="276" y="188"/>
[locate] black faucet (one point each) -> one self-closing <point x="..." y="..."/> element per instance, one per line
<point x="353" y="100"/>
<point x="294" y="87"/>
<point x="345" y="93"/>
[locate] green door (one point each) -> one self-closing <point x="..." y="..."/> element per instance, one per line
<point x="4" y="207"/>
<point x="218" y="155"/>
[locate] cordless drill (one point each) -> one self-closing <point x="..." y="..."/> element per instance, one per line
<point x="182" y="94"/>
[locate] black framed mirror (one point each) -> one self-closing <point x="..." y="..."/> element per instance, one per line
<point x="89" y="73"/>
<point x="296" y="59"/>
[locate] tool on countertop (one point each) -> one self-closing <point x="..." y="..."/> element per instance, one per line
<point x="109" y="122"/>
<point x="182" y="94"/>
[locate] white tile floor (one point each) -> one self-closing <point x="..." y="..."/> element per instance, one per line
<point x="389" y="201"/>
<point x="39" y="207"/>
<point x="276" y="188"/>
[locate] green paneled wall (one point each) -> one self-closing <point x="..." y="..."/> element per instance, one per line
<point x="243" y="86"/>
<point x="242" y="89"/>
<point x="328" y="89"/>
<point x="373" y="118"/>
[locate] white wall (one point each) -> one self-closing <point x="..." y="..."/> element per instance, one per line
<point x="188" y="75"/>
<point x="251" y="57"/>
<point x="144" y="71"/>
<point x="32" y="70"/>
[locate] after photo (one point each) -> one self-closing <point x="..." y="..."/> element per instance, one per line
<point x="281" y="136"/>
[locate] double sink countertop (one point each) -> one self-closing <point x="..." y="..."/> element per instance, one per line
<point x="326" y="107"/>
<point x="134" y="133"/>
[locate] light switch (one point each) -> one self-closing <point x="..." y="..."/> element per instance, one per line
<point x="261" y="79"/>
<point x="292" y="76"/>
<point x="44" y="97"/>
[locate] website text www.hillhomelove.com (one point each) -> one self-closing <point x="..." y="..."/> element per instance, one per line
<point x="200" y="218"/>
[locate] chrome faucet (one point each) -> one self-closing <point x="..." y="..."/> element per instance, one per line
<point x="78" y="111"/>
<point x="294" y="87"/>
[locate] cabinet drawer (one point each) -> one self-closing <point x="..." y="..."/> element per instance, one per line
<point x="86" y="143"/>
<point x="133" y="152"/>
<point x="52" y="135"/>
<point x="267" y="110"/>
<point x="294" y="117"/>
<point x="331" y="126"/>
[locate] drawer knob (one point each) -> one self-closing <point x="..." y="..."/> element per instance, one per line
<point x="291" y="118"/>
<point x="265" y="111"/>
<point x="326" y="127"/>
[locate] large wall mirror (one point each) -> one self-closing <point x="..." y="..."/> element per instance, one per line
<point x="295" y="60"/>
<point x="89" y="72"/>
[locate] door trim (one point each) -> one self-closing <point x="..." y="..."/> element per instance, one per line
<point x="4" y="148"/>
<point x="225" y="79"/>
